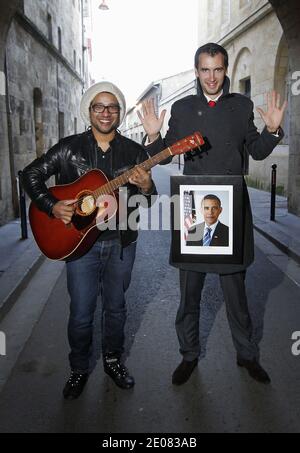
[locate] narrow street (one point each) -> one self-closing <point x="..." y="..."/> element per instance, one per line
<point x="219" y="397"/>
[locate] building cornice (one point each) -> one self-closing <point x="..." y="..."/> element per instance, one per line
<point x="32" y="29"/>
<point x="257" y="16"/>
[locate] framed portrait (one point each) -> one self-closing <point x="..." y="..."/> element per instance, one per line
<point x="207" y="219"/>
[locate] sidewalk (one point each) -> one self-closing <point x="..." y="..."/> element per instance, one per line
<point x="285" y="231"/>
<point x="19" y="260"/>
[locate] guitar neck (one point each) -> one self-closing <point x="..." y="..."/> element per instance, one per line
<point x="123" y="179"/>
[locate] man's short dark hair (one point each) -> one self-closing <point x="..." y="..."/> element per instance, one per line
<point x="212" y="49"/>
<point x="212" y="197"/>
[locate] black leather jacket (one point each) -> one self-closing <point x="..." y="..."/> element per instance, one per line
<point x="74" y="156"/>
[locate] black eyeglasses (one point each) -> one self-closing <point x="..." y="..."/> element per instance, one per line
<point x="100" y="108"/>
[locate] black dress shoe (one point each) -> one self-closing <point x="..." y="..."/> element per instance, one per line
<point x="255" y="370"/>
<point x="75" y="385"/>
<point x="183" y="372"/>
<point x="118" y="372"/>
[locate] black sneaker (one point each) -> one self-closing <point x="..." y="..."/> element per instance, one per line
<point x="118" y="372"/>
<point x="75" y="385"/>
<point x="255" y="370"/>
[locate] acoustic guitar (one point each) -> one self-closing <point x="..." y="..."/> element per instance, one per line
<point x="59" y="241"/>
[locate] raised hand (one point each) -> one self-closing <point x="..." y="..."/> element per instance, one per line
<point x="274" y="115"/>
<point x="149" y="119"/>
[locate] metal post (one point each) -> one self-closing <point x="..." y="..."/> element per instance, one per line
<point x="179" y="162"/>
<point x="23" y="215"/>
<point x="273" y="192"/>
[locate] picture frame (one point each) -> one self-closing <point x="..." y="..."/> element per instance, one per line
<point x="207" y="219"/>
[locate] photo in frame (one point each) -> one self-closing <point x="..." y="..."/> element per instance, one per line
<point x="208" y="221"/>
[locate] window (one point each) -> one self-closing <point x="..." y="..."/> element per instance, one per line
<point x="38" y="121"/>
<point x="49" y="24"/>
<point x="244" y="3"/>
<point x="225" y="12"/>
<point x="246" y="87"/>
<point x="22" y="121"/>
<point x="74" y="58"/>
<point x="59" y="39"/>
<point x="61" y="125"/>
<point x="211" y="17"/>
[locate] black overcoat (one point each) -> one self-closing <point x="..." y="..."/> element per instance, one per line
<point x="229" y="130"/>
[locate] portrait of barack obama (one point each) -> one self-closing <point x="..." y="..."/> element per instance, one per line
<point x="211" y="232"/>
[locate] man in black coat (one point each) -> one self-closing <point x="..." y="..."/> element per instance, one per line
<point x="210" y="233"/>
<point x="226" y="121"/>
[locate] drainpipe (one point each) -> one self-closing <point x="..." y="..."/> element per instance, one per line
<point x="15" y="201"/>
<point x="83" y="48"/>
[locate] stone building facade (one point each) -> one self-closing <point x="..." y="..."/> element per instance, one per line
<point x="45" y="72"/>
<point x="164" y="92"/>
<point x="258" y="62"/>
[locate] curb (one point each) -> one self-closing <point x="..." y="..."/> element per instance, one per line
<point x="279" y="244"/>
<point x="16" y="278"/>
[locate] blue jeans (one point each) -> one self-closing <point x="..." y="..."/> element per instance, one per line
<point x="100" y="271"/>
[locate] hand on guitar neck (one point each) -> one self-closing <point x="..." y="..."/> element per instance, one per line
<point x="142" y="179"/>
<point x="64" y="210"/>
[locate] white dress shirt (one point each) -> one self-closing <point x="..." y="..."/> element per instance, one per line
<point x="214" y="100"/>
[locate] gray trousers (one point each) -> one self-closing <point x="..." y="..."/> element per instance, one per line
<point x="188" y="315"/>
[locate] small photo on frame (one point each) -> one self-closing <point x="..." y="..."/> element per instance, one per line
<point x="208" y="226"/>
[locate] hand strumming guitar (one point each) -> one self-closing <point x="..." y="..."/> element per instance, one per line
<point x="64" y="210"/>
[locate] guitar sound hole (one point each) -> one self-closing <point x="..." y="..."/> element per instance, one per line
<point x="86" y="205"/>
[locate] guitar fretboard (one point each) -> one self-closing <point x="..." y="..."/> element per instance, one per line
<point x="123" y="179"/>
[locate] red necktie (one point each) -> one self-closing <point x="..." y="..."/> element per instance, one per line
<point x="212" y="103"/>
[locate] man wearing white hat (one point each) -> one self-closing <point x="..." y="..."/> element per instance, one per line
<point x="107" y="266"/>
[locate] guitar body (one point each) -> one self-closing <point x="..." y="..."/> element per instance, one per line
<point x="59" y="241"/>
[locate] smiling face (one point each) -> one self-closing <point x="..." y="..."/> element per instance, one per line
<point x="105" y="122"/>
<point x="211" y="72"/>
<point x="211" y="210"/>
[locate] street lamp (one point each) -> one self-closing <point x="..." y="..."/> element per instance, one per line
<point x="103" y="6"/>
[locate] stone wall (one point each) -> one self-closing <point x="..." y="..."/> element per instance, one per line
<point x="44" y="87"/>
<point x="288" y="12"/>
<point x="7" y="10"/>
